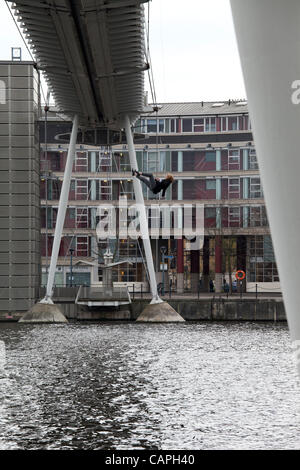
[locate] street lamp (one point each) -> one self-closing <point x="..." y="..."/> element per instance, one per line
<point x="163" y="251"/>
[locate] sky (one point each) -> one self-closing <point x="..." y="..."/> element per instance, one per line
<point x="192" y="47"/>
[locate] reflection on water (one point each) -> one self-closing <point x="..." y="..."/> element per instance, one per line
<point x="125" y="386"/>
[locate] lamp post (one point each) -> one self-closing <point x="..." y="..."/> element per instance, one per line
<point x="163" y="251"/>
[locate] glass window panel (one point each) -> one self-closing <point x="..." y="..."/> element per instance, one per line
<point x="210" y="156"/>
<point x="187" y="125"/>
<point x="210" y="212"/>
<point x="210" y="184"/>
<point x="161" y="125"/>
<point x="151" y="125"/>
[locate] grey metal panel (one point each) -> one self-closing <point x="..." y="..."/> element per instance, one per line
<point x="24" y="164"/>
<point x="15" y="153"/>
<point x="17" y="293"/>
<point x="24" y="235"/>
<point x="17" y="129"/>
<point x="4" y="305"/>
<point x="22" y="223"/>
<point x="20" y="305"/>
<point x="17" y="270"/>
<point x="22" y="211"/>
<point x="22" y="82"/>
<point x="19" y="188"/>
<point x="23" y="200"/>
<point x="17" y="118"/>
<point x="16" y="258"/>
<point x="23" y="94"/>
<point x="22" y="281"/>
<point x="19" y="106"/>
<point x="4" y="164"/>
<point x="17" y="141"/>
<point x="17" y="70"/>
<point x="19" y="176"/>
<point x="17" y="246"/>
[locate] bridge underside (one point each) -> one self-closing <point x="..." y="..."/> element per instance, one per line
<point x="92" y="54"/>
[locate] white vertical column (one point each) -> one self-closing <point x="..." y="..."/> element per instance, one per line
<point x="245" y="159"/>
<point x="142" y="213"/>
<point x="63" y="201"/>
<point x="218" y="160"/>
<point x="268" y="35"/>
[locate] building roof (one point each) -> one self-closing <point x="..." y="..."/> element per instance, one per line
<point x="92" y="54"/>
<point x="204" y="108"/>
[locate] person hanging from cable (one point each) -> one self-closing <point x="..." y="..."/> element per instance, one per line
<point x="156" y="185"/>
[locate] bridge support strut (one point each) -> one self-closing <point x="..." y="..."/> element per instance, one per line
<point x="45" y="311"/>
<point x="158" y="310"/>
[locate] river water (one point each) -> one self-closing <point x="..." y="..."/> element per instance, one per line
<point x="135" y="386"/>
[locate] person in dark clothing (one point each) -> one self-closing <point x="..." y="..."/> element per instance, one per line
<point x="156" y="185"/>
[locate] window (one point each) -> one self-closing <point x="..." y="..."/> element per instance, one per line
<point x="187" y="125"/>
<point x="210" y="156"/>
<point x="152" y="161"/>
<point x="151" y="125"/>
<point x="262" y="260"/>
<point x="161" y="125"/>
<point x="258" y="216"/>
<point x="81" y="161"/>
<point x="199" y="125"/>
<point x="210" y="184"/>
<point x="233" y="159"/>
<point x="233" y="188"/>
<point x="210" y="213"/>
<point x="232" y="123"/>
<point x="82" y="246"/>
<point x="210" y="124"/>
<point x="71" y="213"/>
<point x="253" y="164"/>
<point x="234" y="216"/>
<point x="255" y="188"/>
<point x="55" y="160"/>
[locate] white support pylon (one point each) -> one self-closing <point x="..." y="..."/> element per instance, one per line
<point x="268" y="36"/>
<point x="63" y="202"/>
<point x="142" y="214"/>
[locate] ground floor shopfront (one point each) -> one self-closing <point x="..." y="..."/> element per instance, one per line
<point x="180" y="267"/>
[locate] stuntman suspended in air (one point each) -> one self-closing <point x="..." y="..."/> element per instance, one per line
<point x="156" y="185"/>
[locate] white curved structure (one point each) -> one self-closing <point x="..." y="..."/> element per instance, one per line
<point x="268" y="36"/>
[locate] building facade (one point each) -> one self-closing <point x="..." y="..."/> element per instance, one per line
<point x="19" y="186"/>
<point x="209" y="149"/>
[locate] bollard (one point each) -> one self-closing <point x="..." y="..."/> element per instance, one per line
<point x="141" y="290"/>
<point x="133" y="291"/>
<point x="256" y="291"/>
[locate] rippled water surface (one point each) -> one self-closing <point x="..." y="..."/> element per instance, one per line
<point x="126" y="386"/>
